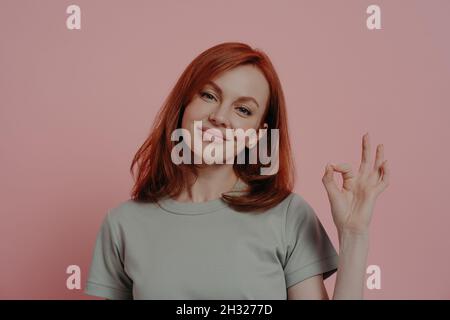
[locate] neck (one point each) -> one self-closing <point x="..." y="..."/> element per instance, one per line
<point x="211" y="182"/>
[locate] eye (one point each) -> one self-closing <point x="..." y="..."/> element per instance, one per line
<point x="244" y="110"/>
<point x="207" y="95"/>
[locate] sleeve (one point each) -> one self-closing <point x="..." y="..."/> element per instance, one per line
<point x="107" y="277"/>
<point x="309" y="251"/>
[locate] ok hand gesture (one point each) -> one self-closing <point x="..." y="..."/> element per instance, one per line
<point x="352" y="206"/>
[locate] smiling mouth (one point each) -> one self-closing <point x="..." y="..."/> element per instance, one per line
<point x="212" y="134"/>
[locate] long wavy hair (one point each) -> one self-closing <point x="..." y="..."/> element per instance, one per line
<point x="158" y="177"/>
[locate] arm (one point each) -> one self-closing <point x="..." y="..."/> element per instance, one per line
<point x="353" y="249"/>
<point x="350" y="278"/>
<point x="352" y="209"/>
<point x="309" y="289"/>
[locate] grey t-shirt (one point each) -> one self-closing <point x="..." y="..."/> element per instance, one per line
<point x="207" y="250"/>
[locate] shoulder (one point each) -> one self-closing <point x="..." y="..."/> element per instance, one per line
<point x="292" y="201"/>
<point x="298" y="202"/>
<point x="296" y="209"/>
<point x="129" y="210"/>
<point x="293" y="205"/>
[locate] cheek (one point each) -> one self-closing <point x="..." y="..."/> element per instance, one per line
<point x="194" y="111"/>
<point x="246" y="123"/>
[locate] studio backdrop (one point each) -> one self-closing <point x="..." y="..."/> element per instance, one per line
<point x="81" y="83"/>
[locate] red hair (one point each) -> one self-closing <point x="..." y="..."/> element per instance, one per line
<point x="158" y="177"/>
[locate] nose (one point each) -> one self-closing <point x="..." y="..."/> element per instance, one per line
<point x="219" y="117"/>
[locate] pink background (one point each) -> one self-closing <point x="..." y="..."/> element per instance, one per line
<point x="76" y="104"/>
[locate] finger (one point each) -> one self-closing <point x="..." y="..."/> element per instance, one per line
<point x="347" y="175"/>
<point x="379" y="158"/>
<point x="385" y="177"/>
<point x="386" y="173"/>
<point x="328" y="181"/>
<point x="365" y="153"/>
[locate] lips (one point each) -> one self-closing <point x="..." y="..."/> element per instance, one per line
<point x="210" y="133"/>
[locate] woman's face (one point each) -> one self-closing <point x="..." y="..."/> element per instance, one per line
<point x="236" y="99"/>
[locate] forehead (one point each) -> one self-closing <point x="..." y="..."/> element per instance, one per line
<point x="244" y="81"/>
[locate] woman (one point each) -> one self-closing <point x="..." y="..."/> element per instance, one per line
<point x="222" y="229"/>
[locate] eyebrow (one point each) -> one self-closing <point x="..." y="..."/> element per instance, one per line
<point x="219" y="90"/>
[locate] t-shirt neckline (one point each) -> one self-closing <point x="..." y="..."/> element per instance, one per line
<point x="193" y="208"/>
